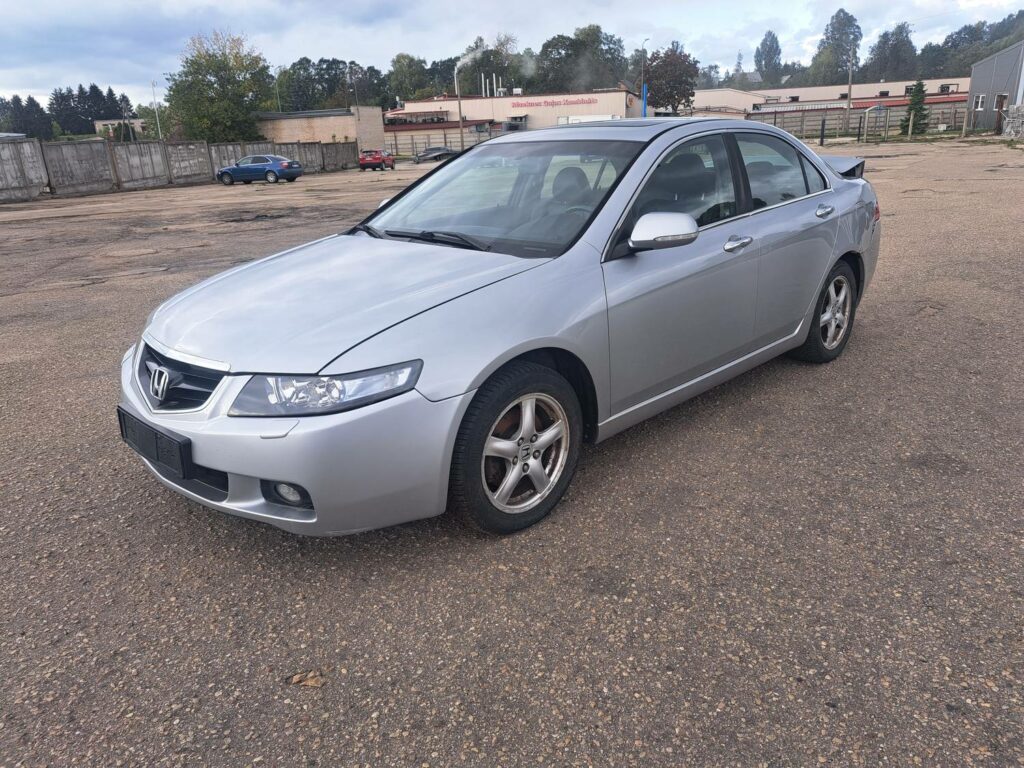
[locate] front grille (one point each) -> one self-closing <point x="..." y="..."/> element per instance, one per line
<point x="188" y="386"/>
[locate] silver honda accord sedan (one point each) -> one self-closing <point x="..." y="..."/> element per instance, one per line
<point x="455" y="349"/>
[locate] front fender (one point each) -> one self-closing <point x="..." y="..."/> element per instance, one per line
<point x="560" y="304"/>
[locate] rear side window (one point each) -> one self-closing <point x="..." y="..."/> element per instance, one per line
<point x="696" y="179"/>
<point x="259" y="159"/>
<point x="773" y="169"/>
<point x="815" y="181"/>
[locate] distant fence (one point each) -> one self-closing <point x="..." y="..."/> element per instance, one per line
<point x="880" y="123"/>
<point x="411" y="142"/>
<point x="28" y="167"/>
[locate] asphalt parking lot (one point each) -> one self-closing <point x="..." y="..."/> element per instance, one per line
<point x="806" y="566"/>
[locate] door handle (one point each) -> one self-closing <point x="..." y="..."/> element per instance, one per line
<point x="734" y="243"/>
<point x="824" y="211"/>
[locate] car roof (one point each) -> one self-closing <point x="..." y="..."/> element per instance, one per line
<point x="629" y="129"/>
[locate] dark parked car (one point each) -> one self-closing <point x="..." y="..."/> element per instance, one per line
<point x="269" y="168"/>
<point x="435" y="154"/>
<point x="376" y="159"/>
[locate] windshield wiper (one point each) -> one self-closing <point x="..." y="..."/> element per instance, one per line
<point x="440" y="236"/>
<point x="371" y="231"/>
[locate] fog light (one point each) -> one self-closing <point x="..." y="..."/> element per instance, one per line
<point x="289" y="493"/>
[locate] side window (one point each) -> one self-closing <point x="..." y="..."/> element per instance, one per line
<point x="696" y="179"/>
<point x="259" y="159"/>
<point x="815" y="181"/>
<point x="773" y="169"/>
<point x="245" y="161"/>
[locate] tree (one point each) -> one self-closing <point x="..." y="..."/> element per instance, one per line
<point x="221" y="84"/>
<point x="672" y="77"/>
<point x="408" y="75"/>
<point x="837" y="50"/>
<point x="892" y="57"/>
<point x="26" y="117"/>
<point x="590" y="59"/>
<point x="917" y="109"/>
<point x="768" y="59"/>
<point x="709" y="76"/>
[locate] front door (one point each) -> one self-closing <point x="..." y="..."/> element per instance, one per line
<point x="677" y="313"/>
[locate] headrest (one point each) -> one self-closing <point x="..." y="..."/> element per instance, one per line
<point x="569" y="185"/>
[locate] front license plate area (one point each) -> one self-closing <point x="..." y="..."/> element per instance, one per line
<point x="172" y="453"/>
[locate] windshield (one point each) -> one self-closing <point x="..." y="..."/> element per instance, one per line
<point x="529" y="198"/>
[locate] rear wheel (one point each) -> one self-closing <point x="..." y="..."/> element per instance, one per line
<point x="271" y="177"/>
<point x="833" y="318"/>
<point x="227" y="179"/>
<point x="517" y="449"/>
<point x="291" y="179"/>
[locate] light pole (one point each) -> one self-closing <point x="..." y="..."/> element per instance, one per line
<point x="643" y="83"/>
<point x="458" y="98"/>
<point x="156" y="108"/>
<point x="277" y="88"/>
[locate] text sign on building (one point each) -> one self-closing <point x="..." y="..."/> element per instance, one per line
<point x="554" y="103"/>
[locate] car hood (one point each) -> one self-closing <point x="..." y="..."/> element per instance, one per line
<point x="296" y="311"/>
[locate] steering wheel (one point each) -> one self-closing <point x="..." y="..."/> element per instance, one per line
<point x="580" y="209"/>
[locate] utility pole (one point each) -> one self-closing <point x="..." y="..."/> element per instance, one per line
<point x="849" y="87"/>
<point x="458" y="98"/>
<point x="277" y="87"/>
<point x="156" y="108"/>
<point x="643" y="82"/>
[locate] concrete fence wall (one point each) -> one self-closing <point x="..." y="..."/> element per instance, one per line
<point x="22" y="172"/>
<point x="188" y="162"/>
<point x="411" y="142"/>
<point x="340" y="155"/>
<point x="28" y="167"/>
<point x="79" y="167"/>
<point x="309" y="154"/>
<point x="140" y="165"/>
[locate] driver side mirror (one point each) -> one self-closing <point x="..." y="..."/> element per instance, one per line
<point x="654" y="231"/>
<point x="237" y="163"/>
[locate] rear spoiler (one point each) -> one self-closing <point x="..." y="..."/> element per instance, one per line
<point x="850" y="167"/>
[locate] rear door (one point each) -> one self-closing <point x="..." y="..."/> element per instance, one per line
<point x="796" y="222"/>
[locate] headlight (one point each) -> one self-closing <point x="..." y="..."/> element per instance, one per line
<point x="313" y="395"/>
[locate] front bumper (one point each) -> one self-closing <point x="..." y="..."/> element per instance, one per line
<point x="371" y="467"/>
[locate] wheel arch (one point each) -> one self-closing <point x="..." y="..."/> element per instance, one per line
<point x="856" y="263"/>
<point x="573" y="369"/>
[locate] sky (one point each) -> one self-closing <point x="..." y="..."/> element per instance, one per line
<point x="129" y="45"/>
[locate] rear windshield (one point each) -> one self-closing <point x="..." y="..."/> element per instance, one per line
<point x="530" y="198"/>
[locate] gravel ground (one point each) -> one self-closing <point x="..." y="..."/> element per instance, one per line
<point x="808" y="565"/>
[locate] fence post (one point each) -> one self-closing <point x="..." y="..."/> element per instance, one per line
<point x="910" y="127"/>
<point x="803" y="120"/>
<point x="860" y="127"/>
<point x="821" y="139"/>
<point x="885" y="137"/>
<point x="113" y="164"/>
<point x="963" y="129"/>
<point x="167" y="161"/>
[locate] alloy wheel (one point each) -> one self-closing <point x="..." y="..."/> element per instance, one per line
<point x="835" y="318"/>
<point x="525" y="453"/>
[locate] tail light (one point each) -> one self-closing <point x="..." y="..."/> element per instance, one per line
<point x="285" y="164"/>
<point x="878" y="212"/>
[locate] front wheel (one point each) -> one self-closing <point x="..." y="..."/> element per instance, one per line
<point x="517" y="449"/>
<point x="833" y="318"/>
<point x="271" y="177"/>
<point x="227" y="179"/>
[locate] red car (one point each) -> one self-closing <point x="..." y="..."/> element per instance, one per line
<point x="377" y="159"/>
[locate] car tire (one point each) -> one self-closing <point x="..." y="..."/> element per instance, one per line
<point x="483" y="488"/>
<point x="247" y="181"/>
<point x="833" y="318"/>
<point x="227" y="179"/>
<point x="361" y="169"/>
<point x="271" y="177"/>
<point x="291" y="179"/>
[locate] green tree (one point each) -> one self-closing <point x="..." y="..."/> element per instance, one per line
<point x="672" y="77"/>
<point x="709" y="76"/>
<point x="768" y="59"/>
<point x="837" y="50"/>
<point x="591" y="58"/>
<point x="917" y="109"/>
<point x="407" y="76"/>
<point x="221" y="84"/>
<point x="892" y="57"/>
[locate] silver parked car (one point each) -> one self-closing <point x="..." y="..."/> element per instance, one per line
<point x="456" y="348"/>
